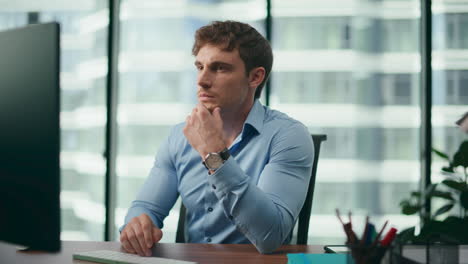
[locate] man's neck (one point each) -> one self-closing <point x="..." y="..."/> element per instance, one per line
<point x="233" y="123"/>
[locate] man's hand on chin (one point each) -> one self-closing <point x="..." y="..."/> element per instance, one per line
<point x="204" y="130"/>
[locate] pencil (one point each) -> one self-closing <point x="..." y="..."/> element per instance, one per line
<point x="339" y="217"/>
<point x="379" y="234"/>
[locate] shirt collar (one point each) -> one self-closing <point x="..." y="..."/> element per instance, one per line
<point x="256" y="116"/>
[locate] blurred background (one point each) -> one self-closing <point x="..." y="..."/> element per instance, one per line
<point x="346" y="68"/>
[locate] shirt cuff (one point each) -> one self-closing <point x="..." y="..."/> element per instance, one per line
<point x="227" y="177"/>
<point x="137" y="211"/>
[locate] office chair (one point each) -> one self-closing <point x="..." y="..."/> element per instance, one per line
<point x="304" y="215"/>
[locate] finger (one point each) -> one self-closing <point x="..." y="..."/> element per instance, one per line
<point x="195" y="119"/>
<point x="132" y="238"/>
<point x="128" y="250"/>
<point x="192" y="120"/>
<point x="157" y="234"/>
<point x="125" y="244"/>
<point x="188" y="120"/>
<point x="217" y="114"/>
<point x="140" y="236"/>
<point x="147" y="226"/>
<point x="194" y="116"/>
<point x="202" y="110"/>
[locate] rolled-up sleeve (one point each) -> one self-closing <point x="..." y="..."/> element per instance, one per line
<point x="265" y="211"/>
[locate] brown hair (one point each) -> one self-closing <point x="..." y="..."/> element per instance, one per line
<point x="254" y="49"/>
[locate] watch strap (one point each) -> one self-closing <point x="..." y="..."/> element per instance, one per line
<point x="224" y="155"/>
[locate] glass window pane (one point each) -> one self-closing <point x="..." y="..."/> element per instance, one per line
<point x="353" y="75"/>
<point x="449" y="84"/>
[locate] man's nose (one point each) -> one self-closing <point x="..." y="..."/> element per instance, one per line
<point x="204" y="79"/>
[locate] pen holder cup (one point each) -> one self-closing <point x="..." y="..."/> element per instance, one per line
<point x="361" y="254"/>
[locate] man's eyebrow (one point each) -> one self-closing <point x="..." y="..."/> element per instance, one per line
<point x="215" y="63"/>
<point x="222" y="63"/>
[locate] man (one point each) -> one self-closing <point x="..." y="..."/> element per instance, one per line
<point x="241" y="169"/>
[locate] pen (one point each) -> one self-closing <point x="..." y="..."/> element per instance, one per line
<point x="350" y="235"/>
<point x="371" y="234"/>
<point x="387" y="240"/>
<point x="339" y="216"/>
<point x="349" y="217"/>
<point x="366" y="230"/>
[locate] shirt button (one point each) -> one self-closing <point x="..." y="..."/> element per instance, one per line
<point x="208" y="239"/>
<point x="213" y="186"/>
<point x="210" y="209"/>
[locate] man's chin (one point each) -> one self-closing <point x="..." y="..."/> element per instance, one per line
<point x="209" y="106"/>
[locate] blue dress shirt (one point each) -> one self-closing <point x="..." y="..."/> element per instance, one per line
<point x="254" y="197"/>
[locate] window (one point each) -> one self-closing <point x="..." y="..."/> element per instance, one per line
<point x="399" y="89"/>
<point x="450" y="82"/>
<point x="401" y="143"/>
<point x="317" y="87"/>
<point x="322" y="32"/>
<point x="335" y="71"/>
<point x="400" y="35"/>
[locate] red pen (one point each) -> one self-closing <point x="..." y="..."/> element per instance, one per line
<point x="387" y="240"/>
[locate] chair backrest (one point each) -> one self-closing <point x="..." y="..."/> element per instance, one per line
<point x="180" y="235"/>
<point x="304" y="215"/>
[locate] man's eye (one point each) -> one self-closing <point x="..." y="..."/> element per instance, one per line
<point x="220" y="68"/>
<point x="199" y="68"/>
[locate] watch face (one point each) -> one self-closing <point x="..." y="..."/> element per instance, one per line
<point x="214" y="161"/>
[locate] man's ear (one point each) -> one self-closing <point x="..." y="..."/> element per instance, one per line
<point x="256" y="77"/>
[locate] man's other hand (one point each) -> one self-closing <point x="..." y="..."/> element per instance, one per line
<point x="139" y="235"/>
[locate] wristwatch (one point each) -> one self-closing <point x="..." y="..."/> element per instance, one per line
<point x="215" y="160"/>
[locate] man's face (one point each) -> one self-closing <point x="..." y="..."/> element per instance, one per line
<point x="222" y="80"/>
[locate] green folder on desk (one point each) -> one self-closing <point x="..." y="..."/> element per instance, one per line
<point x="301" y="258"/>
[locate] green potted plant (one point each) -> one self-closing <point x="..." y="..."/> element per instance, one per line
<point x="453" y="191"/>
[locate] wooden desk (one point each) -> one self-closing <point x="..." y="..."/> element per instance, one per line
<point x="201" y="253"/>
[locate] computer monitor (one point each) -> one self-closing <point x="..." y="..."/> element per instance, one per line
<point x="30" y="137"/>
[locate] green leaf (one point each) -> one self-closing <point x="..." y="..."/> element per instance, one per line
<point x="408" y="209"/>
<point x="406" y="235"/>
<point x="443" y="209"/>
<point x="461" y="156"/>
<point x="453" y="220"/>
<point x="451" y="230"/>
<point x="451" y="174"/>
<point x="459" y="186"/>
<point x="448" y="169"/>
<point x="464" y="199"/>
<point x="416" y="194"/>
<point x="441" y="154"/>
<point x="404" y="202"/>
<point x="445" y="195"/>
